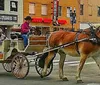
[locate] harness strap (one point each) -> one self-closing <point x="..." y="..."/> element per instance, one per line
<point x="93" y="36"/>
<point x="76" y="42"/>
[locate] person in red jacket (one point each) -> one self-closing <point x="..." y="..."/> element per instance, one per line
<point x="25" y="28"/>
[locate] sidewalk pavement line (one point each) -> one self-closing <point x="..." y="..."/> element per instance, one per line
<point x="68" y="62"/>
<point x="71" y="63"/>
<point x="85" y="64"/>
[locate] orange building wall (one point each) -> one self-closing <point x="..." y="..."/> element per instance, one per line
<point x="63" y="3"/>
<point x="93" y="18"/>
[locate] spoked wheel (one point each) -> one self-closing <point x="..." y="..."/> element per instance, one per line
<point x="20" y="66"/>
<point x="7" y="66"/>
<point x="39" y="68"/>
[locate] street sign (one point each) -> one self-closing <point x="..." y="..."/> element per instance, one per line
<point x="6" y="17"/>
<point x="55" y="10"/>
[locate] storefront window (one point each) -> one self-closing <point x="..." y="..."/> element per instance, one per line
<point x="41" y="31"/>
<point x="1" y="4"/>
<point x="13" y="6"/>
<point x="45" y="30"/>
<point x="55" y="29"/>
<point x="37" y="31"/>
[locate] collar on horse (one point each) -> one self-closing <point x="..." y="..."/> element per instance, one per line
<point x="94" y="39"/>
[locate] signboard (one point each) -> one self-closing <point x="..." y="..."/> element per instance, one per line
<point x="13" y="5"/>
<point x="6" y="17"/>
<point x="55" y="10"/>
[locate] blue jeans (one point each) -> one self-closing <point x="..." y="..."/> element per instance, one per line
<point x="25" y="39"/>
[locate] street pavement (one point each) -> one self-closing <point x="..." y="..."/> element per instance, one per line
<point x="90" y="75"/>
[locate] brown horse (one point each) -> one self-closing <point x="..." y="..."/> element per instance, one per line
<point x="85" y="48"/>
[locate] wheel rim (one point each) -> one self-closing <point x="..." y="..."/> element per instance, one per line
<point x="39" y="69"/>
<point x="20" y="66"/>
<point x="7" y="66"/>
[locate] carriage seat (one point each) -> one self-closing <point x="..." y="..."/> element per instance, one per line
<point x="16" y="35"/>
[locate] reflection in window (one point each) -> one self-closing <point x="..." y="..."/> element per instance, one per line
<point x="1" y="4"/>
<point x="13" y="6"/>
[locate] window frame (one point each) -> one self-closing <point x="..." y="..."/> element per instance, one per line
<point x="12" y="9"/>
<point x="32" y="13"/>
<point x="68" y="14"/>
<point x="60" y="13"/>
<point x="81" y="9"/>
<point x="3" y="6"/>
<point x="98" y="11"/>
<point x="44" y="14"/>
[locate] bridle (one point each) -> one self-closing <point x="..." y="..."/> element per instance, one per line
<point x="92" y="35"/>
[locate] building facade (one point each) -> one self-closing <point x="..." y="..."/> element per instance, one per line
<point x="42" y="13"/>
<point x="11" y="13"/>
<point x="89" y="12"/>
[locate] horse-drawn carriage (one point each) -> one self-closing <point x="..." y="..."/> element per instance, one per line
<point x="16" y="58"/>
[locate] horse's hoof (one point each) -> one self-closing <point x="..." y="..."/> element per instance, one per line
<point x="79" y="81"/>
<point x="64" y="79"/>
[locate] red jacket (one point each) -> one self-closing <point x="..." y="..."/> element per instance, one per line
<point x="25" y="28"/>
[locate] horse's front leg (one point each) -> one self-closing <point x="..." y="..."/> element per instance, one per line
<point x="80" y="67"/>
<point x="47" y="61"/>
<point x="61" y="64"/>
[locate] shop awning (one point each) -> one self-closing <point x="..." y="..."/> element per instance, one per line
<point x="39" y="20"/>
<point x="47" y="20"/>
<point x="62" y="21"/>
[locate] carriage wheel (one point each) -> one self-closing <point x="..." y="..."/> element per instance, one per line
<point x="20" y="66"/>
<point x="39" y="69"/>
<point x="7" y="66"/>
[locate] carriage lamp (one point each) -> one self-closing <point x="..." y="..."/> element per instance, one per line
<point x="72" y="18"/>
